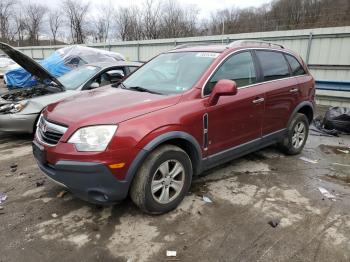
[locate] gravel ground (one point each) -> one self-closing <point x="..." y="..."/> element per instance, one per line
<point x="40" y="223"/>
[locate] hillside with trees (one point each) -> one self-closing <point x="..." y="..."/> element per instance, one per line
<point x="25" y="23"/>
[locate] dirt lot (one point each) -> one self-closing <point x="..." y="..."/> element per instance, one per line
<point x="37" y="225"/>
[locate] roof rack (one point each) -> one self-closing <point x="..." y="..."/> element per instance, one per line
<point x="262" y="43"/>
<point x="194" y="44"/>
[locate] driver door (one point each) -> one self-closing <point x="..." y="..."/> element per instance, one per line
<point x="235" y="120"/>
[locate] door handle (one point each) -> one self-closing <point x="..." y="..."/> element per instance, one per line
<point x="258" y="100"/>
<point x="294" y="90"/>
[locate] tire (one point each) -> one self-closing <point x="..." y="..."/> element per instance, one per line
<point x="162" y="159"/>
<point x="292" y="143"/>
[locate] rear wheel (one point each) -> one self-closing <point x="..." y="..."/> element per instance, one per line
<point x="163" y="180"/>
<point x="297" y="133"/>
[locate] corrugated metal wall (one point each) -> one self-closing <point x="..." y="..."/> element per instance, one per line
<point x="326" y="50"/>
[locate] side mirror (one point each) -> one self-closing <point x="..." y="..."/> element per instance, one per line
<point x="222" y="88"/>
<point x="94" y="85"/>
<point x="116" y="77"/>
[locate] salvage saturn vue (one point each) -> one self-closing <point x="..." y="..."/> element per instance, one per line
<point x="20" y="109"/>
<point x="185" y="111"/>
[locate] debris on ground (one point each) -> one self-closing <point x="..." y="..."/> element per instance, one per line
<point x="1" y="208"/>
<point x="335" y="121"/>
<point x="61" y="194"/>
<point x="308" y="160"/>
<point x="22" y="173"/>
<point x="274" y="222"/>
<point x="343" y="151"/>
<point x="13" y="170"/>
<point x="338" y="164"/>
<point x="3" y="198"/>
<point x="170" y="253"/>
<point x="54" y="215"/>
<point x="326" y="193"/>
<point x="206" y="199"/>
<point x="13" y="166"/>
<point x="9" y="189"/>
<point x="8" y="175"/>
<point x="40" y="183"/>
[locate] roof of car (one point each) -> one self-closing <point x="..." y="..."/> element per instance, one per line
<point x="116" y="63"/>
<point x="219" y="48"/>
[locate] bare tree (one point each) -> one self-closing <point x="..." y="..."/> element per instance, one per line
<point x="20" y="27"/>
<point x="76" y="13"/>
<point x="55" y="22"/>
<point x="33" y="20"/>
<point x="177" y="21"/>
<point x="151" y="19"/>
<point x="6" y="9"/>
<point x="128" y="23"/>
<point x="102" y="22"/>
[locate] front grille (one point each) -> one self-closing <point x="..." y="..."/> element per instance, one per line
<point x="48" y="132"/>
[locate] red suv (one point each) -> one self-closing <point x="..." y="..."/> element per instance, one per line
<point x="185" y="111"/>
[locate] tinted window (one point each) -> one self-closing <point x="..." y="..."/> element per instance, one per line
<point x="239" y="67"/>
<point x="274" y="65"/>
<point x="297" y="68"/>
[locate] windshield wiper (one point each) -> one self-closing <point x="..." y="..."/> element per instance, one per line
<point x="142" y="89"/>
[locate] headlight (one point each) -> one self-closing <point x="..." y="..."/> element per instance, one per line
<point x="93" y="138"/>
<point x="13" y="108"/>
<point x="18" y="107"/>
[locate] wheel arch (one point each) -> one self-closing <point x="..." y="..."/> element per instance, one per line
<point x="178" y="138"/>
<point x="305" y="108"/>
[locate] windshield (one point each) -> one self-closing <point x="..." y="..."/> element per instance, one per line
<point x="171" y="73"/>
<point x="75" y="78"/>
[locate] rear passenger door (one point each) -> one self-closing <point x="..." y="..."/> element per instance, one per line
<point x="282" y="90"/>
<point x="237" y="119"/>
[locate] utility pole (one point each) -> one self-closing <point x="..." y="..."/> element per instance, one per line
<point x="223" y="31"/>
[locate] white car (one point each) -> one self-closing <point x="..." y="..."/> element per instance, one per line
<point x="6" y="64"/>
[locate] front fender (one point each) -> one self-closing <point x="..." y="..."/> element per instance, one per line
<point x="158" y="140"/>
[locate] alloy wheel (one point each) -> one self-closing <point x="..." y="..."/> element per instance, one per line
<point x="168" y="181"/>
<point x="299" y="134"/>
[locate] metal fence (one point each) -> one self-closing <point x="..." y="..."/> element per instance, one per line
<point x="325" y="50"/>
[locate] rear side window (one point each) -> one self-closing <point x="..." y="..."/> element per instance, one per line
<point x="239" y="67"/>
<point x="296" y="67"/>
<point x="273" y="64"/>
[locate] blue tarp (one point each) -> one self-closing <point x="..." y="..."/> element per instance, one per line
<point x="21" y="78"/>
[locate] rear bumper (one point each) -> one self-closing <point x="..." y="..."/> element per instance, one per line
<point x="92" y="182"/>
<point x="18" y="123"/>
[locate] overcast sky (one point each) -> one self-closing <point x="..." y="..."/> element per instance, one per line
<point x="205" y="6"/>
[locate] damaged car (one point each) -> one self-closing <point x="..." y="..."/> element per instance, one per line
<point x="61" y="62"/>
<point x="20" y="109"/>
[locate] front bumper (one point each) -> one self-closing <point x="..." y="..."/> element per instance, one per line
<point x="17" y="123"/>
<point x="90" y="181"/>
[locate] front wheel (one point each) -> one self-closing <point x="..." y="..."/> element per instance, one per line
<point x="297" y="133"/>
<point x="163" y="180"/>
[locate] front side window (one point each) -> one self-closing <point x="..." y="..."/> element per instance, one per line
<point x="75" y="78"/>
<point x="171" y="73"/>
<point x="296" y="67"/>
<point x="273" y="64"/>
<point x="239" y="68"/>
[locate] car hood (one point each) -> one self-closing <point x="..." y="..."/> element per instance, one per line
<point x="106" y="106"/>
<point x="29" y="64"/>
